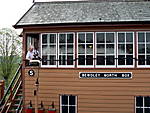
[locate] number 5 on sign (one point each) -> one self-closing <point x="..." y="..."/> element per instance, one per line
<point x="31" y="73"/>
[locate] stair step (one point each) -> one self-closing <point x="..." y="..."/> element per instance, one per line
<point x="15" y="105"/>
<point x="19" y="94"/>
<point x="17" y="99"/>
<point x="20" y="89"/>
<point x="12" y="111"/>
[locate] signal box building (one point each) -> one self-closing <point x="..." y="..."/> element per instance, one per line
<point x="95" y="56"/>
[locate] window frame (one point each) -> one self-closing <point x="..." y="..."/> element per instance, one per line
<point x="77" y="50"/>
<point x="57" y="50"/>
<point x="117" y="44"/>
<point x="143" y="107"/>
<point x="60" y="97"/>
<point x="48" y="55"/>
<point x="137" y="43"/>
<point x="105" y="66"/>
<point x="66" y="66"/>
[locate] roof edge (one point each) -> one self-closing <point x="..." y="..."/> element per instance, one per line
<point x="85" y="23"/>
<point x="57" y="1"/>
<point x="24" y="15"/>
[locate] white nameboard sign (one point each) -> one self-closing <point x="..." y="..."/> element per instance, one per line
<point x="107" y="75"/>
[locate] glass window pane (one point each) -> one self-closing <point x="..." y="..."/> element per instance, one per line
<point x="147" y="48"/>
<point x="89" y="37"/>
<point x="110" y="60"/>
<point x="147" y="37"/>
<point x="147" y="110"/>
<point x="121" y="48"/>
<point x="109" y="37"/>
<point x="129" y="37"/>
<point x="89" y="49"/>
<point x="100" y="49"/>
<point x="69" y="38"/>
<point x="81" y="49"/>
<point x="121" y="37"/>
<point x="141" y="59"/>
<point x="141" y="37"/>
<point x="72" y="100"/>
<point x="44" y="60"/>
<point x="45" y="50"/>
<point x="70" y="49"/>
<point x="141" y="48"/>
<point x="147" y="101"/>
<point x="69" y="60"/>
<point x="89" y="60"/>
<point x="62" y="49"/>
<point x="72" y="109"/>
<point x="62" y="60"/>
<point x="129" y="60"/>
<point x="64" y="100"/>
<point x="148" y="59"/>
<point x="64" y="109"/>
<point x="110" y="49"/>
<point x="139" y="110"/>
<point x="62" y="38"/>
<point x="44" y="38"/>
<point x="121" y="59"/>
<point x="81" y="60"/>
<point x="52" y="38"/>
<point x="52" y="59"/>
<point x="81" y="38"/>
<point x="48" y="50"/>
<point x="52" y="49"/>
<point x="100" y="37"/>
<point x="129" y="49"/>
<point x="100" y="60"/>
<point x="139" y="101"/>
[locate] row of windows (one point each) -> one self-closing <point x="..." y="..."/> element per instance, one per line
<point x="68" y="104"/>
<point x="100" y="49"/>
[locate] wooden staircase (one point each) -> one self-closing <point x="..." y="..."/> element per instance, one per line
<point x="13" y="98"/>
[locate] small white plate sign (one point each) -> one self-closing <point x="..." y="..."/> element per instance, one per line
<point x="107" y="75"/>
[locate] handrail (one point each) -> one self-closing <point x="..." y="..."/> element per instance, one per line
<point x="19" y="106"/>
<point x="14" y="95"/>
<point x="11" y="91"/>
<point x="10" y="85"/>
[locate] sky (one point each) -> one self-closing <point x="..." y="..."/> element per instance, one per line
<point x="11" y="11"/>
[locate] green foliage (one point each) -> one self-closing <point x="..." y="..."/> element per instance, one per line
<point x="10" y="52"/>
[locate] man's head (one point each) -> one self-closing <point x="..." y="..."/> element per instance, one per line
<point x="31" y="48"/>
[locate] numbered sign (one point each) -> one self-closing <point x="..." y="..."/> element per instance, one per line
<point x="31" y="73"/>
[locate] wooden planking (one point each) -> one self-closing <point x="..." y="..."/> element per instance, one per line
<point x="96" y="88"/>
<point x="96" y="84"/>
<point x="107" y="93"/>
<point x="62" y="79"/>
<point x="85" y="96"/>
<point x="94" y="95"/>
<point x="76" y="71"/>
<point x="89" y="105"/>
<point x="106" y="109"/>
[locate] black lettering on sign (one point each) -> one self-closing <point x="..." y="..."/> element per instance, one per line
<point x="102" y="75"/>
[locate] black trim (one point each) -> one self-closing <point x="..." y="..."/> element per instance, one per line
<point x="83" y="23"/>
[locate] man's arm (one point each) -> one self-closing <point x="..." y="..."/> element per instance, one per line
<point x="28" y="56"/>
